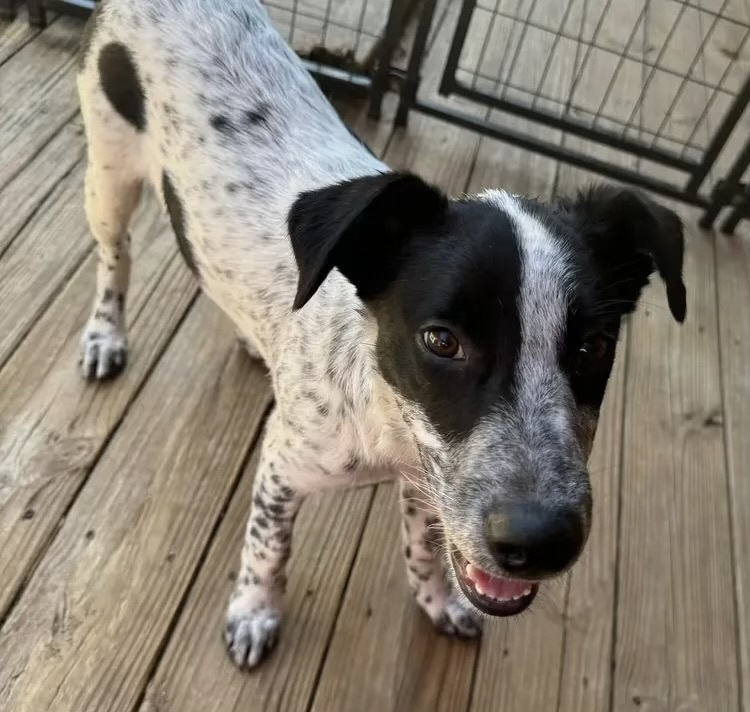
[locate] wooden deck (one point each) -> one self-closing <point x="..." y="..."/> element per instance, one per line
<point x="122" y="506"/>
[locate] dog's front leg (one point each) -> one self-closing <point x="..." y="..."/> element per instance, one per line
<point x="254" y="613"/>
<point x="424" y="569"/>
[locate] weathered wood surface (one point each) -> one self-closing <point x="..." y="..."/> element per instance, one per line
<point x="38" y="93"/>
<point x="53" y="426"/>
<point x="733" y="263"/>
<point x="100" y="604"/>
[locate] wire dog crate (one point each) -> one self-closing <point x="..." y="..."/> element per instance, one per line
<point x="606" y="73"/>
<point x="597" y="75"/>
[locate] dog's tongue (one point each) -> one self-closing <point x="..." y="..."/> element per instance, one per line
<point x="500" y="588"/>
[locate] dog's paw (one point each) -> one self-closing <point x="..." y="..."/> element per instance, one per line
<point x="251" y="636"/>
<point x="458" y="619"/>
<point x="104" y="353"/>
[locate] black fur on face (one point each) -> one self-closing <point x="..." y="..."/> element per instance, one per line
<point x="421" y="261"/>
<point x="497" y="317"/>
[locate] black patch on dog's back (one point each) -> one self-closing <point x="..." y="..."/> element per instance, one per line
<point x="257" y="117"/>
<point x="122" y="86"/>
<point x="177" y="218"/>
<point x="222" y="124"/>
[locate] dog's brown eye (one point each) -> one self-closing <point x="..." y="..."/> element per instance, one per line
<point x="594" y="350"/>
<point x="443" y="343"/>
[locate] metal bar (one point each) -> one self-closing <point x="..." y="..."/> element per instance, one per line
<point x="393" y="29"/>
<point x="7" y="10"/>
<point x="558" y="36"/>
<point x="76" y="8"/>
<point x="448" y="82"/>
<point x="616" y="73"/>
<point x="411" y="82"/>
<point x="740" y="210"/>
<point x="688" y="75"/>
<point x="715" y="93"/>
<point x="727" y="189"/>
<point x="592" y="44"/>
<point x="557" y="152"/>
<point x="483" y="52"/>
<point x="733" y="115"/>
<point x="38" y="13"/>
<point x="599" y="135"/>
<point x="580" y="110"/>
<point x="517" y="53"/>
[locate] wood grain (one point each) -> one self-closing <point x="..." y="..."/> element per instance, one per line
<point x="98" y="608"/>
<point x="14" y="34"/>
<point x="196" y="675"/>
<point x="675" y="620"/>
<point x="41" y="259"/>
<point x="733" y="257"/>
<point x="385" y="655"/>
<point x="52" y="425"/>
<point x="26" y="192"/>
<point x="40" y="78"/>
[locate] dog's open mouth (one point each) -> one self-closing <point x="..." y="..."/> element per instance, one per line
<point x="492" y="595"/>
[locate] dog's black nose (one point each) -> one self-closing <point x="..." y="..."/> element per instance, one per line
<point x="530" y="541"/>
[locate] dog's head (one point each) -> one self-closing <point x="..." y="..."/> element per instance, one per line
<point x="497" y="323"/>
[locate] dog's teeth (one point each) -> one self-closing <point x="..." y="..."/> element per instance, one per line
<point x="479" y="589"/>
<point x="471" y="571"/>
<point x="527" y="592"/>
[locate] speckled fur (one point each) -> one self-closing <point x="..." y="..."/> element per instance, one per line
<point x="240" y="129"/>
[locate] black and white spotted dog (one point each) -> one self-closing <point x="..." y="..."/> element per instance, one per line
<point x="462" y="345"/>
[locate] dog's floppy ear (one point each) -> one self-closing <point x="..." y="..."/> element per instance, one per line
<point x="629" y="236"/>
<point x="359" y="227"/>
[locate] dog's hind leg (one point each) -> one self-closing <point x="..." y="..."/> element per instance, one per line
<point x="114" y="177"/>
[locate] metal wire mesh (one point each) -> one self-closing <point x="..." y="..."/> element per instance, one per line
<point x="620" y="66"/>
<point x="343" y="33"/>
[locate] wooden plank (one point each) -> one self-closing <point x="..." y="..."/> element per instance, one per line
<point x="733" y="281"/>
<point x="196" y="674"/>
<point x="27" y="191"/>
<point x="385" y="655"/>
<point x="676" y="624"/>
<point x="97" y="610"/>
<point x="40" y="78"/>
<point x="14" y="34"/>
<point x="585" y="680"/>
<point x="52" y="426"/>
<point x="42" y="257"/>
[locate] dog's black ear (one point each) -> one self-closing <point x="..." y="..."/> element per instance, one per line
<point x="629" y="236"/>
<point x="359" y="227"/>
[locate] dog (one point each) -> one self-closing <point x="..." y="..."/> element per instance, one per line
<point x="461" y="346"/>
